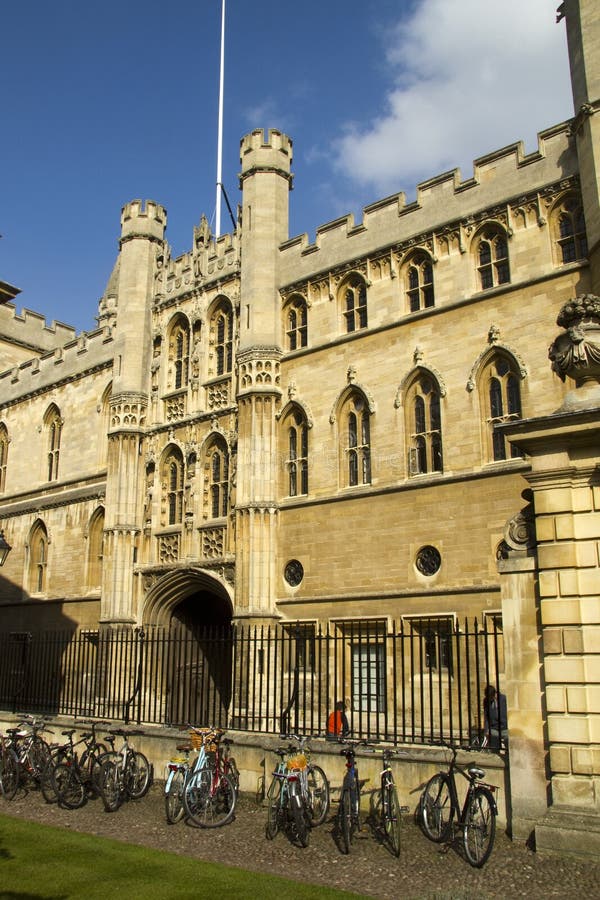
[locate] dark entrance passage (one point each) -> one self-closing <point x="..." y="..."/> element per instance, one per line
<point x="200" y="642"/>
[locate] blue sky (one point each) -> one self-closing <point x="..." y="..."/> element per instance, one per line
<point x="102" y="103"/>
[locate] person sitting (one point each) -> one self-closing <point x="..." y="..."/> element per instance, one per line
<point x="337" y="722"/>
<point x="495" y="719"/>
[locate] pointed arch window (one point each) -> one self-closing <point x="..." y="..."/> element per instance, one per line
<point x="420" y="283"/>
<point x="503" y="399"/>
<point x="95" y="550"/>
<point x="356" y="430"/>
<point x="297" y="461"/>
<point x="570" y="233"/>
<point x="223" y="339"/>
<point x="492" y="254"/>
<point x="179" y="351"/>
<point x="424" y="427"/>
<point x="219" y="482"/>
<point x="354" y="294"/>
<point x="296" y="324"/>
<point x="4" y="441"/>
<point x="54" y="425"/>
<point x="38" y="559"/>
<point x="173" y="478"/>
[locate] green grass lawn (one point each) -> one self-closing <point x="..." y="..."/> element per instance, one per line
<point x="39" y="862"/>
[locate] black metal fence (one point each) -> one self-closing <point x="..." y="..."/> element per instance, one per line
<point x="419" y="681"/>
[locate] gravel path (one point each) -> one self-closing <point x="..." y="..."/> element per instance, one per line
<point x="424" y="870"/>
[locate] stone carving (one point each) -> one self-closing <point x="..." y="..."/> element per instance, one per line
<point x="576" y="353"/>
<point x="519" y="532"/>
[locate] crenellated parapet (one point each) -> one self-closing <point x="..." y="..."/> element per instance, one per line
<point x="270" y="154"/>
<point x="143" y="220"/>
<point x="445" y="204"/>
<point x="209" y="261"/>
<point x="30" y="330"/>
<point x="61" y="363"/>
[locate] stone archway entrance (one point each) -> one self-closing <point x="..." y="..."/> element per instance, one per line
<point x="192" y="611"/>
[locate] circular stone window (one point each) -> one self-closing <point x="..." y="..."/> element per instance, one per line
<point x="428" y="560"/>
<point x="294" y="572"/>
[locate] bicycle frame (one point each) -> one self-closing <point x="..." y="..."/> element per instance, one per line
<point x="473" y="775"/>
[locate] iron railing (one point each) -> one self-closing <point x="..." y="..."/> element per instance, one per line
<point x="416" y="681"/>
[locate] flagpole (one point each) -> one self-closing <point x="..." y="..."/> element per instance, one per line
<point x="220" y="127"/>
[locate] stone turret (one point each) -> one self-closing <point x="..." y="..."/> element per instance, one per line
<point x="583" y="35"/>
<point x="265" y="180"/>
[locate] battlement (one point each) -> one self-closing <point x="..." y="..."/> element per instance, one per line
<point x="59" y="360"/>
<point x="143" y="219"/>
<point x="497" y="177"/>
<point x="214" y="259"/>
<point x="30" y="329"/>
<point x="273" y="153"/>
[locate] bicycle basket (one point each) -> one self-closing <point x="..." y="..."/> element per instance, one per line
<point x="299" y="761"/>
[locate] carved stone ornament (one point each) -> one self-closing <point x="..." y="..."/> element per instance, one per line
<point x="576" y="352"/>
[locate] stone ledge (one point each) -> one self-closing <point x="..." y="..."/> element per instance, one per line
<point x="569" y="832"/>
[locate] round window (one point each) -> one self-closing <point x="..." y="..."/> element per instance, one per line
<point x="294" y="573"/>
<point x="428" y="560"/>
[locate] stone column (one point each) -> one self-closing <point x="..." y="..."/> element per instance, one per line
<point x="564" y="450"/>
<point x="529" y="780"/>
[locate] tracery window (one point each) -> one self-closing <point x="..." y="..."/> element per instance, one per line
<point x="502" y="394"/>
<point x="179" y="353"/>
<point x="297" y="460"/>
<point x="492" y="255"/>
<point x="569" y="230"/>
<point x="53" y="425"/>
<point x="356" y="431"/>
<point x="419" y="275"/>
<point x="218" y="460"/>
<point x="223" y="338"/>
<point x="296" y="324"/>
<point x="424" y="426"/>
<point x="172" y="479"/>
<point x="354" y="294"/>
<point x="3" y="456"/>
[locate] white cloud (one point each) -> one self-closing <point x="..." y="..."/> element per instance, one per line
<point x="466" y="77"/>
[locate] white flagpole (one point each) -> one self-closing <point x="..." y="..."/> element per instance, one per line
<point x="220" y="128"/>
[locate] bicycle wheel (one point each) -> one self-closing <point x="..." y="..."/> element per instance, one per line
<point x="344" y="820"/>
<point x="9" y="773"/>
<point x="231" y="769"/>
<point x="479" y="830"/>
<point x="318" y="795"/>
<point x="109" y="784"/>
<point x="38" y="757"/>
<point x="69" y="788"/>
<point x="174" y="806"/>
<point x="209" y="800"/>
<point x="273" y="807"/>
<point x="299" y="816"/>
<point x="391" y="819"/>
<point x="436" y="808"/>
<point x="138" y="776"/>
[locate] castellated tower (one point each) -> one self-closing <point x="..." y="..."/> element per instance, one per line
<point x="142" y="239"/>
<point x="265" y="181"/>
<point x="583" y="35"/>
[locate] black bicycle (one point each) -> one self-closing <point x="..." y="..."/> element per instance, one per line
<point x="440" y="809"/>
<point x="347" y="821"/>
<point x="386" y="812"/>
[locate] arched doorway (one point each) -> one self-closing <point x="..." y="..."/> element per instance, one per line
<point x="192" y="611"/>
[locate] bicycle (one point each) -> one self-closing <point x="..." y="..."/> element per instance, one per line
<point x="386" y="811"/>
<point x="313" y="781"/>
<point x="71" y="778"/>
<point x="440" y="808"/>
<point x="209" y="793"/>
<point x="287" y="808"/>
<point x="124" y="773"/>
<point x="9" y="769"/>
<point x="348" y="814"/>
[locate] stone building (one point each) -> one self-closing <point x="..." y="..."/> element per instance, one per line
<point x="268" y="429"/>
